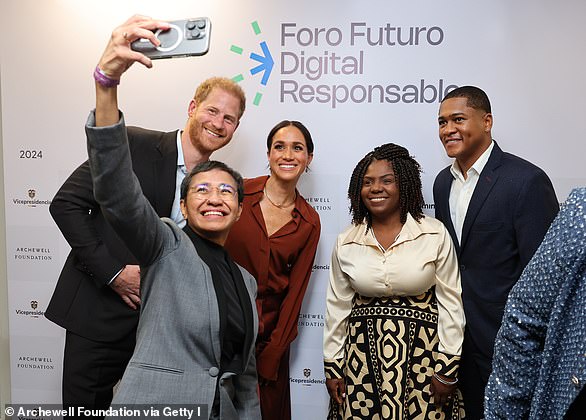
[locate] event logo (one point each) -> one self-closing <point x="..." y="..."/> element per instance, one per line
<point x="307" y="380"/>
<point x="33" y="253"/>
<point x="320" y="204"/>
<point x="35" y="362"/>
<point x="31" y="201"/>
<point x="33" y="312"/>
<point x="337" y="65"/>
<point x="263" y="63"/>
<point x="320" y="267"/>
<point x="311" y="320"/>
<point x="332" y="65"/>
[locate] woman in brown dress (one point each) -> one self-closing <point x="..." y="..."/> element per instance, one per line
<point x="276" y="241"/>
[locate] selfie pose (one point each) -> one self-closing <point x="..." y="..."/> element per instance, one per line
<point x="198" y="323"/>
<point x="97" y="297"/>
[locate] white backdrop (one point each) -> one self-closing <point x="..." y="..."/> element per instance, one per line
<point x="527" y="55"/>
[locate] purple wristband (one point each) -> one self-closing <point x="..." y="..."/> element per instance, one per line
<point x="104" y="80"/>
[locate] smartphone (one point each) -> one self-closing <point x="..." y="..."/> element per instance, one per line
<point x="183" y="38"/>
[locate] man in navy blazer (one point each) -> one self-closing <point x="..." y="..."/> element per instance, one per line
<point x="497" y="208"/>
<point x="97" y="296"/>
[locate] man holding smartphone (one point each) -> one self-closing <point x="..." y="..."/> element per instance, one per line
<point x="98" y="292"/>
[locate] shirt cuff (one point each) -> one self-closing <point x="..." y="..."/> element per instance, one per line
<point x="447" y="365"/>
<point x="115" y="275"/>
<point x="334" y="368"/>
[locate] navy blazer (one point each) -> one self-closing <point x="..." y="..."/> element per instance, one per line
<point x="82" y="302"/>
<point x="510" y="211"/>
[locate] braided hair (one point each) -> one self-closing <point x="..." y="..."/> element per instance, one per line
<point x="407" y="176"/>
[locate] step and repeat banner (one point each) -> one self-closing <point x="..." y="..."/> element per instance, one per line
<point x="357" y="74"/>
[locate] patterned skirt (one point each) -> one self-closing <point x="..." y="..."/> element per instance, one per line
<point x="391" y="354"/>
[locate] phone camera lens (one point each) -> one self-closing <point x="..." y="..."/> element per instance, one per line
<point x="194" y="34"/>
<point x="195" y="28"/>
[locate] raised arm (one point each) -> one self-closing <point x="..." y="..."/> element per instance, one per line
<point x="116" y="59"/>
<point x="116" y="187"/>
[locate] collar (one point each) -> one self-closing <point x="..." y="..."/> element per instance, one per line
<point x="477" y="167"/>
<point x="180" y="158"/>
<point x="199" y="241"/>
<point x="411" y="230"/>
<point x="255" y="185"/>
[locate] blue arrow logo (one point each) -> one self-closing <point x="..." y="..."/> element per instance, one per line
<point x="266" y="63"/>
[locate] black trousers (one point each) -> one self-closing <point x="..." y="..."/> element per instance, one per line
<point x="91" y="369"/>
<point x="474" y="372"/>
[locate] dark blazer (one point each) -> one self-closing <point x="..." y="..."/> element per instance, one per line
<point x="178" y="347"/>
<point x="510" y="211"/>
<point x="82" y="302"/>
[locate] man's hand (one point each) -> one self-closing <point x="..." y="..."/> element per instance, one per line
<point x="118" y="56"/>
<point x="337" y="389"/>
<point x="127" y="285"/>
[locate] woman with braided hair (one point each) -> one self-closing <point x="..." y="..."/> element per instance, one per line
<point x="394" y="320"/>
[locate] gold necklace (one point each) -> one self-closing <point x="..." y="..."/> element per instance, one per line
<point x="279" y="206"/>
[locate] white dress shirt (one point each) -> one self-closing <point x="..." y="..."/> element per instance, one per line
<point x="462" y="189"/>
<point x="176" y="214"/>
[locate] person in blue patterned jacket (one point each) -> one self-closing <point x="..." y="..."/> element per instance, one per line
<point x="539" y="367"/>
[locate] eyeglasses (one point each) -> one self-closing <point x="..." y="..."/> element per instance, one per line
<point x="204" y="191"/>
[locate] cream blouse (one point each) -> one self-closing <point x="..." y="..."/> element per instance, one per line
<point x="422" y="256"/>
